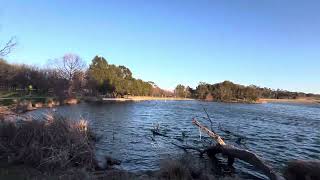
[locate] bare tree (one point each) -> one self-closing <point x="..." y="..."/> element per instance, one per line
<point x="68" y="67"/>
<point x="7" y="48"/>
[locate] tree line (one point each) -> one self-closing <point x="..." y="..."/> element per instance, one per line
<point x="228" y="92"/>
<point x="68" y="76"/>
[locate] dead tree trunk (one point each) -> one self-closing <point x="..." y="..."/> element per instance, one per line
<point x="233" y="152"/>
<point x="215" y="136"/>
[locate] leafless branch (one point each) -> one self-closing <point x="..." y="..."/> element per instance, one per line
<point x="68" y="66"/>
<point x="8" y="47"/>
<point x="240" y="137"/>
<point x="209" y="119"/>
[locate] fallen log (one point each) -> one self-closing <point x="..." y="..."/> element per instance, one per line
<point x="233" y="152"/>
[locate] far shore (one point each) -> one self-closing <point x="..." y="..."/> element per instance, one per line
<point x="147" y="98"/>
<point x="24" y="106"/>
<point x="298" y="101"/>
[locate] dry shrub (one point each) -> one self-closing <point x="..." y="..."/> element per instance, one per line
<point x="302" y="170"/>
<point x="188" y="167"/>
<point x="185" y="167"/>
<point x="48" y="144"/>
<point x="171" y="169"/>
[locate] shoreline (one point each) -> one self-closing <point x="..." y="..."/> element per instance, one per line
<point x="144" y="98"/>
<point x="259" y="101"/>
<point x="295" y="101"/>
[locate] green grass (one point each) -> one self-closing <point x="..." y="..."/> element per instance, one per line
<point x="16" y="94"/>
<point x="6" y="102"/>
<point x="10" y="98"/>
<point x="5" y="94"/>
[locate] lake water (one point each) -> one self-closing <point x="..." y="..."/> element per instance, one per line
<point x="277" y="132"/>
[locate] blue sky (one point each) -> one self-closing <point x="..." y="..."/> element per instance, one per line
<point x="264" y="42"/>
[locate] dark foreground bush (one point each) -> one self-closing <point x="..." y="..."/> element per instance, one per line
<point x="188" y="167"/>
<point x="48" y="144"/>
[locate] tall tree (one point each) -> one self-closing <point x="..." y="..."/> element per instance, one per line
<point x="202" y="90"/>
<point x="68" y="67"/>
<point x="180" y="91"/>
<point x="115" y="80"/>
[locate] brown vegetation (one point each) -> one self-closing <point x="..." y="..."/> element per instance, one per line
<point x="302" y="170"/>
<point x="71" y="101"/>
<point x="47" y="144"/>
<point x="24" y="106"/>
<point x="298" y="100"/>
<point x="186" y="168"/>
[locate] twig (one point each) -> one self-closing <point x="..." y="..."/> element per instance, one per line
<point x="185" y="148"/>
<point x="240" y="137"/>
<point x="8" y="47"/>
<point x="209" y="119"/>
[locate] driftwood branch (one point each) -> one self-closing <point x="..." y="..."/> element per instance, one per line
<point x="233" y="152"/>
<point x="213" y="135"/>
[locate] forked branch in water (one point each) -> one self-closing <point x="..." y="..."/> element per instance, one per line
<point x="240" y="137"/>
<point x="229" y="151"/>
<point x="233" y="152"/>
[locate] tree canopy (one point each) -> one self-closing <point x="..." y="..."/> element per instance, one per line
<point x="116" y="80"/>
<point x="68" y="76"/>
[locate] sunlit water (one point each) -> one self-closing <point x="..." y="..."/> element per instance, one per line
<point x="276" y="132"/>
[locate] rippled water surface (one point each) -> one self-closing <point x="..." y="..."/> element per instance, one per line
<point x="276" y="132"/>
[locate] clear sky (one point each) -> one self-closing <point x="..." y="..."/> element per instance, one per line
<point x="273" y="43"/>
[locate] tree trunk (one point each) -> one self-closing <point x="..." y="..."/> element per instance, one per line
<point x="70" y="87"/>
